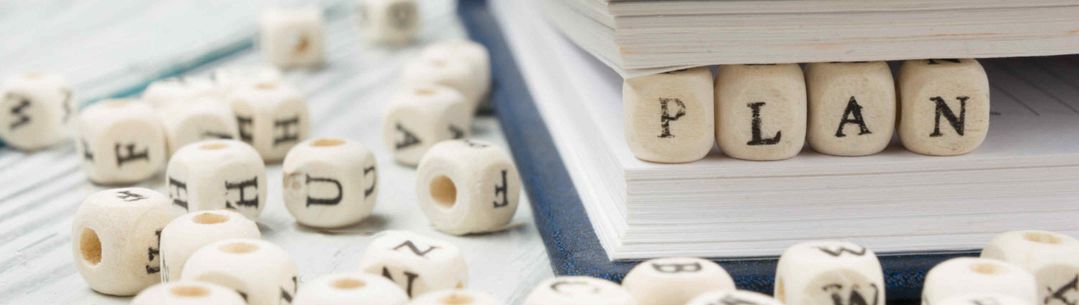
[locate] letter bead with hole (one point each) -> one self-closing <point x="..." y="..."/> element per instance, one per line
<point x="188" y="293"/>
<point x="468" y="186"/>
<point x="851" y="107"/>
<point x="218" y="174"/>
<point x="35" y="110"/>
<point x="350" y="288"/>
<point x="416" y="263"/>
<point x="116" y="236"/>
<point x="944" y="106"/>
<point x="422" y="116"/>
<point x="260" y="271"/>
<point x="270" y="116"/>
<point x="733" y="297"/>
<point x="186" y="234"/>
<point x="329" y="182"/>
<point x="1052" y="258"/>
<point x="456" y="297"/>
<point x="204" y="118"/>
<point x="984" y="299"/>
<point x="675" y="280"/>
<point x="967" y="275"/>
<point x="120" y="142"/>
<point x="292" y="37"/>
<point x="447" y="69"/>
<point x="578" y="290"/>
<point x="760" y="111"/>
<point x="389" y="21"/>
<point x="829" y="273"/>
<point x="670" y="117"/>
<point x="473" y="54"/>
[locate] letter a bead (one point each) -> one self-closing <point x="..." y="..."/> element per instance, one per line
<point x="944" y="106"/>
<point x="34" y="110"/>
<point x="389" y="21"/>
<point x="120" y="142"/>
<point x="851" y="107"/>
<point x="188" y="293"/>
<point x="415" y="263"/>
<point x="186" y="234"/>
<point x="468" y="186"/>
<point x="349" y="288"/>
<point x="670" y="117"/>
<point x="272" y="117"/>
<point x="1052" y="258"/>
<point x="733" y="297"/>
<point x="829" y="273"/>
<point x="260" y="271"/>
<point x="292" y="37"/>
<point x="675" y="280"/>
<point x="115" y="239"/>
<point x="329" y="182"/>
<point x="456" y="297"/>
<point x="966" y="275"/>
<point x="218" y="174"/>
<point x="760" y="111"/>
<point x="578" y="290"/>
<point x="420" y="117"/>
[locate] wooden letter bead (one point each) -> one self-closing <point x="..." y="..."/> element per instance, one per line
<point x="473" y="54"/>
<point x="734" y="297"/>
<point x="350" y="288"/>
<point x="1052" y="258"/>
<point x="670" y="117"/>
<point x="421" y="117"/>
<point x="944" y="106"/>
<point x="330" y="182"/>
<point x="292" y="37"/>
<point x="829" y="273"/>
<point x="456" y="297"/>
<point x="851" y="107"/>
<point x="675" y="280"/>
<point x="201" y="119"/>
<point x="447" y="69"/>
<point x="188" y="293"/>
<point x="260" y="271"/>
<point x="34" y="110"/>
<point x="272" y="117"/>
<point x="965" y="275"/>
<point x="115" y="239"/>
<point x="468" y="186"/>
<point x="218" y="174"/>
<point x="120" y="142"/>
<point x="760" y="111"/>
<point x="389" y="21"/>
<point x="984" y="299"/>
<point x="188" y="233"/>
<point x="179" y="91"/>
<point x="415" y="263"/>
<point x="578" y="290"/>
<point x="231" y="78"/>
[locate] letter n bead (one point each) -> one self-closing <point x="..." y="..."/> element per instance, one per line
<point x="415" y="263"/>
<point x="292" y="37"/>
<point x="675" y="280"/>
<point x="329" y="182"/>
<point x="851" y="107"/>
<point x="218" y="174"/>
<point x="733" y="297"/>
<point x="966" y="275"/>
<point x="350" y="288"/>
<point x="468" y="186"/>
<point x="420" y="117"/>
<point x="578" y="290"/>
<point x="34" y="110"/>
<point x="120" y="142"/>
<point x="260" y="271"/>
<point x="186" y="234"/>
<point x="944" y="106"/>
<point x="188" y="293"/>
<point x="1052" y="258"/>
<point x="760" y="111"/>
<point x="669" y="117"/>
<point x="829" y="273"/>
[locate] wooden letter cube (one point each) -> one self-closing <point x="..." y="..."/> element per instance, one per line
<point x="675" y="280"/>
<point x="468" y="186"/>
<point x="421" y="117"/>
<point x="188" y="233"/>
<point x="120" y="142"/>
<point x="34" y="110"/>
<point x="218" y="174"/>
<point x="272" y="117"/>
<point x="983" y="299"/>
<point x="456" y="297"/>
<point x="415" y="263"/>
<point x="1052" y="258"/>
<point x="350" y="288"/>
<point x="115" y="239"/>
<point x="205" y="118"/>
<point x="292" y="37"/>
<point x="389" y="21"/>
<point x="260" y="271"/>
<point x="760" y="111"/>
<point x="330" y="182"/>
<point x="230" y="79"/>
<point x="188" y="293"/>
<point x="446" y="69"/>
<point x="170" y="92"/>
<point x="473" y="54"/>
<point x="670" y="117"/>
<point x="944" y="106"/>
<point x="733" y="297"/>
<point x="578" y="290"/>
<point x="851" y="107"/>
<point x="829" y="273"/>
<point x="965" y="275"/>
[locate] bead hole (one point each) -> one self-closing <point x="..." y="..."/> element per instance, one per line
<point x="213" y="145"/>
<point x="239" y="248"/>
<point x="90" y="246"/>
<point x="34" y="75"/>
<point x="327" y="142"/>
<point x="189" y="291"/>
<point x="266" y="86"/>
<point x="425" y="91"/>
<point x="1042" y="237"/>
<point x="456" y="299"/>
<point x="444" y="191"/>
<point x="210" y="218"/>
<point x="348" y="283"/>
<point x="985" y="268"/>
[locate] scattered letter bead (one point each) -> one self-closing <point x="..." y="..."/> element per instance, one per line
<point x="292" y="37"/>
<point x="456" y="297"/>
<point x="329" y="182"/>
<point x="735" y="297"/>
<point x="218" y="174"/>
<point x="231" y="78"/>
<point x="473" y="54"/>
<point x="675" y="280"/>
<point x="851" y="107"/>
<point x="116" y="236"/>
<point x="350" y="288"/>
<point x="829" y="273"/>
<point x="415" y="263"/>
<point x="447" y="69"/>
<point x="421" y="117"/>
<point x="468" y="186"/>
<point x="944" y="106"/>
<point x="120" y="142"/>
<point x="272" y="117"/>
<point x="966" y="275"/>
<point x="670" y="117"/>
<point x="578" y="290"/>
<point x="984" y="299"/>
<point x="188" y="293"/>
<point x="1052" y="258"/>
<point x="201" y="119"/>
<point x="389" y="21"/>
<point x="188" y="233"/>
<point x="34" y="110"/>
<point x="171" y="92"/>
<point x="760" y="111"/>
<point x="260" y="271"/>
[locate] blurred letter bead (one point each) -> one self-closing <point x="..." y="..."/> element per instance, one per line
<point x="120" y="142"/>
<point x="420" y="117"/>
<point x="329" y="182"/>
<point x="116" y="236"/>
<point x="456" y="297"/>
<point x="218" y="174"/>
<point x="350" y="288"/>
<point x="1052" y="258"/>
<point x="984" y="299"/>
<point x="851" y="107"/>
<point x="179" y="92"/>
<point x="415" y="263"/>
<point x="578" y="290"/>
<point x="188" y="293"/>
<point x="292" y="37"/>
<point x="197" y="120"/>
<point x="188" y="233"/>
<point x="965" y="275"/>
<point x="389" y="21"/>
<point x="472" y="53"/>
<point x="272" y="117"/>
<point x="670" y="116"/>
<point x="944" y="106"/>
<point x="829" y="273"/>
<point x="760" y="111"/>
<point x="260" y="271"/>
<point x="468" y="186"/>
<point x="736" y="297"/>
<point x="675" y="280"/>
<point x="34" y="110"/>
<point x="441" y="67"/>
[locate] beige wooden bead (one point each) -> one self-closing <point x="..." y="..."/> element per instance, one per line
<point x="475" y="55"/>
<point x="1052" y="258"/>
<point x="120" y="142"/>
<point x="944" y="106"/>
<point x="272" y="117"/>
<point x="389" y="21"/>
<point x="422" y="116"/>
<point x="456" y="297"/>
<point x="330" y="182"/>
<point x="292" y="37"/>
<point x="35" y="110"/>
<point x="670" y="117"/>
<point x="468" y="186"/>
<point x="734" y="297"/>
<point x="260" y="271"/>
<point x="442" y="67"/>
<point x="675" y="280"/>
<point x="204" y="118"/>
<point x="229" y="79"/>
<point x="188" y="293"/>
<point x="984" y="299"/>
<point x="966" y="275"/>
<point x="115" y="239"/>
<point x="218" y="174"/>
<point x="851" y="107"/>
<point x="171" y="92"/>
<point x="350" y="288"/>
<point x="187" y="233"/>
<point x="416" y="263"/>
<point x="578" y="290"/>
<point x="820" y="272"/>
<point x="760" y="111"/>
